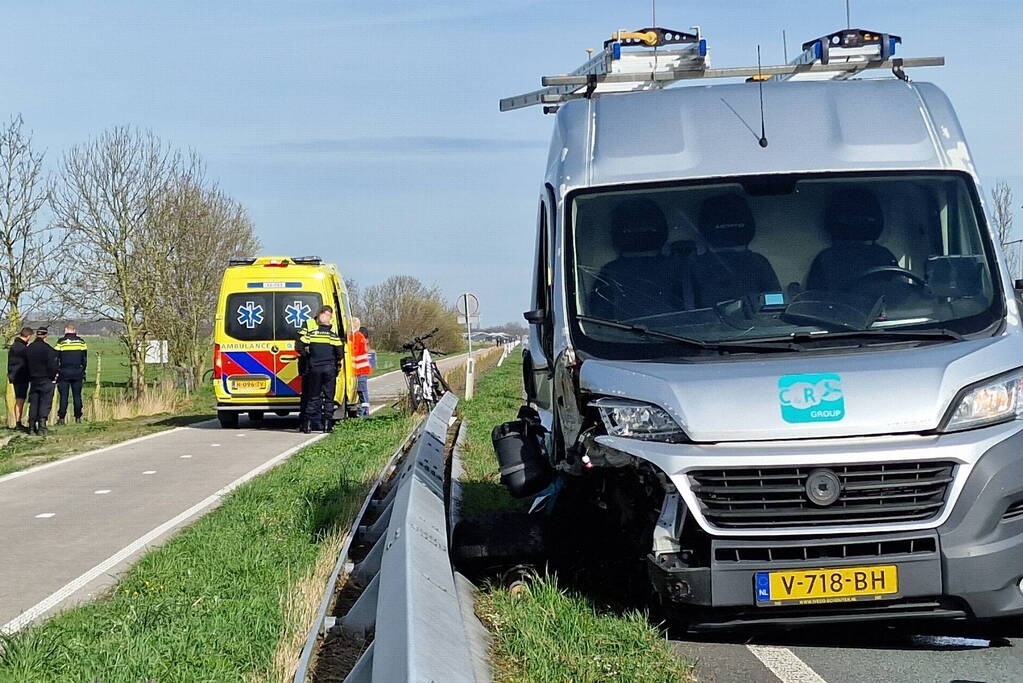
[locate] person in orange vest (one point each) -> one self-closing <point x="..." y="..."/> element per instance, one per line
<point x="361" y="364"/>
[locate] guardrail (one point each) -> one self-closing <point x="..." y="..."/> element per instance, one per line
<point x="410" y="603"/>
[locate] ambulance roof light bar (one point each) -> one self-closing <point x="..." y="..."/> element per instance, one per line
<point x="837" y="56"/>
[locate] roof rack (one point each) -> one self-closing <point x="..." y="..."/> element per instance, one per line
<point x="633" y="61"/>
<point x="851" y="47"/>
<point x="628" y="62"/>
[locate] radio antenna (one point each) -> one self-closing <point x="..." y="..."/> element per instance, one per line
<point x="848" y="22"/>
<point x="760" y="83"/>
<point x="653" y="23"/>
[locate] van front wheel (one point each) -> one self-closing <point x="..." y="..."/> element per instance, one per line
<point x="228" y="419"/>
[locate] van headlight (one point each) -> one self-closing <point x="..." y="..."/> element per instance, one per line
<point x="637" y="420"/>
<point x="998" y="400"/>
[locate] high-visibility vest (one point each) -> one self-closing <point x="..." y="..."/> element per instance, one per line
<point x="360" y="354"/>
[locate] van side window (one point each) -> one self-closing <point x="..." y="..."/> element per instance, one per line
<point x="339" y="316"/>
<point x="542" y="285"/>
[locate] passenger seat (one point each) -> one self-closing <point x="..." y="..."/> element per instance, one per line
<point x="642" y="281"/>
<point x="728" y="270"/>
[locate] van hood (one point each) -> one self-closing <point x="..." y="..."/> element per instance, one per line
<point x="812" y="394"/>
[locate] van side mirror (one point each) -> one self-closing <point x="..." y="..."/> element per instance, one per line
<point x="535" y="317"/>
<point x="1018" y="286"/>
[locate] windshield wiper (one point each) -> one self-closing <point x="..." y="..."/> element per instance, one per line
<point x="879" y="334"/>
<point x="689" y="341"/>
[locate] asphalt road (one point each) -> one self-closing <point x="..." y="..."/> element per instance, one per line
<point x="68" y="528"/>
<point x="856" y="653"/>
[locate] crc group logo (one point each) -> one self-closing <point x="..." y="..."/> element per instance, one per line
<point x="811" y="398"/>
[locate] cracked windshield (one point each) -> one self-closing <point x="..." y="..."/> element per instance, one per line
<point x="769" y="258"/>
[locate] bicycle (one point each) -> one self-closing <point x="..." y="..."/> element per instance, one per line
<point x="426" y="385"/>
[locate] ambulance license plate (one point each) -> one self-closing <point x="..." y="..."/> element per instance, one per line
<point x="823" y="586"/>
<point x="253" y="386"/>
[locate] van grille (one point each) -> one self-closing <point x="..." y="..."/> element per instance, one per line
<point x="851" y="550"/>
<point x="775" y="497"/>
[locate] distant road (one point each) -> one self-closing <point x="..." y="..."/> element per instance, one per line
<point x="69" y="527"/>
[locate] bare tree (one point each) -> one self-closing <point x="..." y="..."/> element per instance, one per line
<point x="1002" y="217"/>
<point x="402" y="307"/>
<point x="102" y="197"/>
<point x="195" y="229"/>
<point x="355" y="298"/>
<point x="30" y="250"/>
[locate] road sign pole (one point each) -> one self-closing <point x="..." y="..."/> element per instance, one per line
<point x="469" y="374"/>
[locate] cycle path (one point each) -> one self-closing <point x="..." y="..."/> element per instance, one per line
<point x="70" y="527"/>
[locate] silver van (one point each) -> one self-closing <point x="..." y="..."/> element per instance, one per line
<point x="792" y="369"/>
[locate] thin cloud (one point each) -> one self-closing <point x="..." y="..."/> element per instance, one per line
<point x="401" y="146"/>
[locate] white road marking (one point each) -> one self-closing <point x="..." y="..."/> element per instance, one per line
<point x="101" y="492"/>
<point x="186" y="456"/>
<point x="57" y="463"/>
<point x="784" y="664"/>
<point x="214" y="445"/>
<point x="45" y="515"/>
<point x="149" y="472"/>
<point x="241" y="434"/>
<point x="211" y="422"/>
<point x="104" y="567"/>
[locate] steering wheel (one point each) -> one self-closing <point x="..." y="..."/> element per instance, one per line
<point x="889" y="271"/>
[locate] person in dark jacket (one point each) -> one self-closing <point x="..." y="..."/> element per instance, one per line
<point x="42" y="372"/>
<point x="321" y="351"/>
<point x="17" y="374"/>
<point x="72" y="359"/>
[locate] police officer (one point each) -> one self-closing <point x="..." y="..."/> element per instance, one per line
<point x="321" y="351"/>
<point x="309" y="325"/>
<point x="72" y="357"/>
<point x="17" y="374"/>
<point x="42" y="371"/>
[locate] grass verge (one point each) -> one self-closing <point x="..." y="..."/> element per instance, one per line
<point x="497" y="399"/>
<point x="215" y="602"/>
<point x="543" y="632"/>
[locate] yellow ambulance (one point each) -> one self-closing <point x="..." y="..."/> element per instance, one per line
<point x="264" y="304"/>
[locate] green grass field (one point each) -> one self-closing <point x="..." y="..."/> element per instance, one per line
<point x="210" y="605"/>
<point x="544" y="632"/>
<point x="114" y="361"/>
<point x="387" y="361"/>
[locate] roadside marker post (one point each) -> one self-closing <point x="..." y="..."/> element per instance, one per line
<point x="469" y="308"/>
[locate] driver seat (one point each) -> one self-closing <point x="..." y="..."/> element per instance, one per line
<point x="854" y="221"/>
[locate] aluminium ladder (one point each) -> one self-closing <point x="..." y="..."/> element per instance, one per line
<point x="634" y="61"/>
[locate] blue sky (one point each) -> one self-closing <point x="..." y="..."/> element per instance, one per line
<point x="368" y="132"/>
